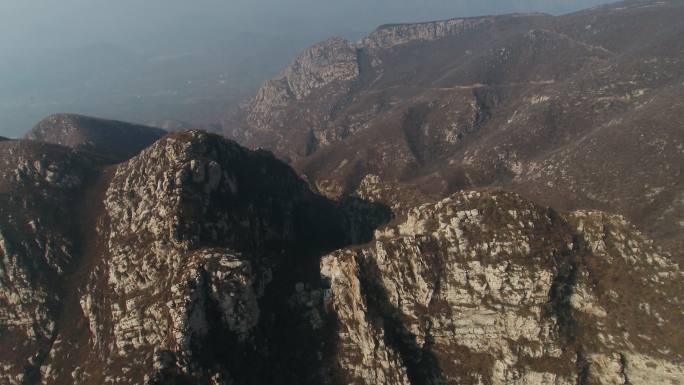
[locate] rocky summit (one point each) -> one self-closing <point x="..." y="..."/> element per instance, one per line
<point x="201" y="262"/>
<point x="488" y="288"/>
<point x="178" y="266"/>
<point x="482" y="201"/>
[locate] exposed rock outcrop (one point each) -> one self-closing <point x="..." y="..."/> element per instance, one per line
<point x="199" y="261"/>
<point x="389" y="36"/>
<point x="488" y="288"/>
<point x="131" y="258"/>
<point x="39" y="186"/>
<point x="326" y="71"/>
<point x="200" y="246"/>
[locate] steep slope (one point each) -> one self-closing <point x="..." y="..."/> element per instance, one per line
<point x="40" y="186"/>
<point x="191" y="257"/>
<point x="575" y="111"/>
<point x="487" y="288"/>
<point x="114" y="140"/>
<point x="201" y="262"/>
<point x="131" y="258"/>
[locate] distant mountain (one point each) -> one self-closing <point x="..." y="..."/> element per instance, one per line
<point x="575" y="111"/>
<point x="388" y="250"/>
<point x="191" y="81"/>
<point x="110" y="139"/>
<point x="40" y="188"/>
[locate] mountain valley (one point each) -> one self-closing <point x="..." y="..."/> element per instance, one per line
<point x="479" y="201"/>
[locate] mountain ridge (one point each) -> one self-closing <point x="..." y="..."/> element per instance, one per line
<point x="502" y="102"/>
<point x="499" y="205"/>
<point x="199" y="261"/>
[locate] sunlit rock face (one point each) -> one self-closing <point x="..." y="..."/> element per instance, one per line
<point x="38" y="186"/>
<point x="199" y="261"/>
<point x="487" y="288"/>
<point x="200" y="265"/>
<point x="192" y="243"/>
<point x="188" y="259"/>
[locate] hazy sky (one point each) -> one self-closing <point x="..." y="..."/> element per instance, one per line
<point x="26" y="25"/>
<point x="46" y="45"/>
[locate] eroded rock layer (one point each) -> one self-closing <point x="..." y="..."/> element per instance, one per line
<point x="201" y="262"/>
<point x="487" y="288"/>
<point x="39" y="186"/>
<point x="130" y="259"/>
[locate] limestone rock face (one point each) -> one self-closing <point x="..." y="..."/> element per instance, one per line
<point x="488" y="288"/>
<point x="325" y="71"/>
<point x="201" y="262"/>
<point x="389" y="36"/>
<point x="333" y="61"/>
<point x="180" y="216"/>
<point x="320" y="65"/>
<point x="38" y="184"/>
<point x="201" y="266"/>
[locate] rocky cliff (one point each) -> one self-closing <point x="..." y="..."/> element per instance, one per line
<point x="562" y="109"/>
<point x="201" y="262"/>
<point x="180" y="269"/>
<point x="325" y="71"/>
<point x="40" y="185"/>
<point x="487" y="288"/>
<point x="392" y="35"/>
<point x="387" y="251"/>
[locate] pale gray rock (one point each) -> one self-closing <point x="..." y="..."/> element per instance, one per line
<point x="488" y="288"/>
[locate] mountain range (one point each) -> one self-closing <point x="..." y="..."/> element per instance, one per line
<point x="575" y="111"/>
<point x="490" y="200"/>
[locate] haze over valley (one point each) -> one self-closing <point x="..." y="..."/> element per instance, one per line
<point x="189" y="61"/>
<point x="303" y="192"/>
